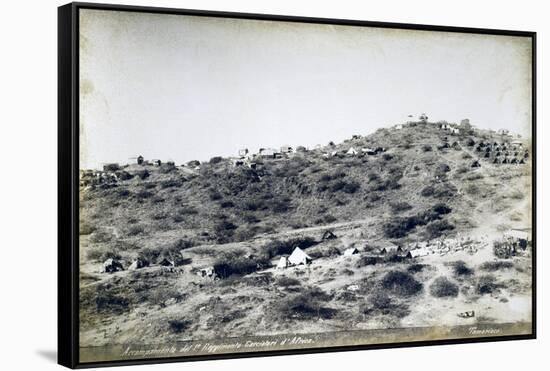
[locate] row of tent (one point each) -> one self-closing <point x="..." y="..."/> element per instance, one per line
<point x="299" y="257"/>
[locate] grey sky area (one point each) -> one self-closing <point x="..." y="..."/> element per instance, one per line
<point x="183" y="88"/>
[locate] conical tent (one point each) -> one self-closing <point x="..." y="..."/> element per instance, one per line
<point x="350" y="251"/>
<point x="298" y="257"/>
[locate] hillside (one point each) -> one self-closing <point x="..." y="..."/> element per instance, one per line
<point x="427" y="185"/>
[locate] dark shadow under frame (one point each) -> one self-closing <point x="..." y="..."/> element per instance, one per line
<point x="68" y="173"/>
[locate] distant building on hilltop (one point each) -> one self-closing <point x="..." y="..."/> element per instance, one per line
<point x="286" y="149"/>
<point x="267" y="152"/>
<point x="423" y="118"/>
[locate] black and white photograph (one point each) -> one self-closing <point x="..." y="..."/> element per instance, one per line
<point x="253" y="185"/>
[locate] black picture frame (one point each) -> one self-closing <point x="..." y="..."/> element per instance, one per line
<point x="68" y="180"/>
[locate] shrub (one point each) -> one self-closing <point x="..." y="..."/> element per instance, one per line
<point x="440" y="190"/>
<point x="279" y="205"/>
<point x="157" y="200"/>
<point x="143" y="194"/>
<point x="379" y="302"/>
<point x="107" y="302"/>
<point x="150" y="255"/>
<point x="142" y="174"/>
<point x="368" y="260"/>
<point x="215" y="195"/>
<point x="123" y="193"/>
<point x="487" y="285"/>
<point x="187" y="210"/>
<point x="179" y="326"/>
<point x="124" y="175"/>
<point x="496" y="266"/>
<point x="183" y="244"/>
<point x="170" y="252"/>
<point x="307" y="305"/>
<point x="171" y="183"/>
<point x="328" y="218"/>
<point x="254" y="204"/>
<point x="397" y="207"/>
<point x="443" y="168"/>
<point x="373" y="177"/>
<point x="135" y="230"/>
<point x="345" y="186"/>
<point x="401" y="283"/>
<point x="387" y="157"/>
<point x="441" y="287"/>
<point x="251" y="218"/>
<point x="288" y="281"/>
<point x="416" y="268"/>
<point x="244" y="233"/>
<point x="216" y="160"/>
<point x="100" y="235"/>
<point x="373" y="197"/>
<point x="427" y="191"/>
<point x="460" y="269"/>
<point x="236" y="263"/>
<point x="399" y="227"/>
<point x="427" y="148"/>
<point x="227" y="204"/>
<point x="441" y="208"/>
<point x="436" y="228"/>
<point x="160" y="215"/>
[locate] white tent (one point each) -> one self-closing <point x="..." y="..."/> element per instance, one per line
<point x="419" y="252"/>
<point x="298" y="257"/>
<point x="351" y="151"/>
<point x="351" y="251"/>
<point x="283" y="263"/>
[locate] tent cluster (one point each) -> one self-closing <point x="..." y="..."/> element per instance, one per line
<point x="503" y="152"/>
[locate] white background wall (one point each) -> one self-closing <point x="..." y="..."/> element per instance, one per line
<point x="28" y="150"/>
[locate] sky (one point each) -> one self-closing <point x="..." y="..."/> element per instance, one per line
<point x="181" y="88"/>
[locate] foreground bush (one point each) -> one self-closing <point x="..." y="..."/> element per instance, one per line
<point x="442" y="287"/>
<point x="460" y="269"/>
<point x="401" y="283"/>
<point x="380" y="303"/>
<point x="309" y="304"/>
<point x="487" y="285"/>
<point x="179" y="326"/>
